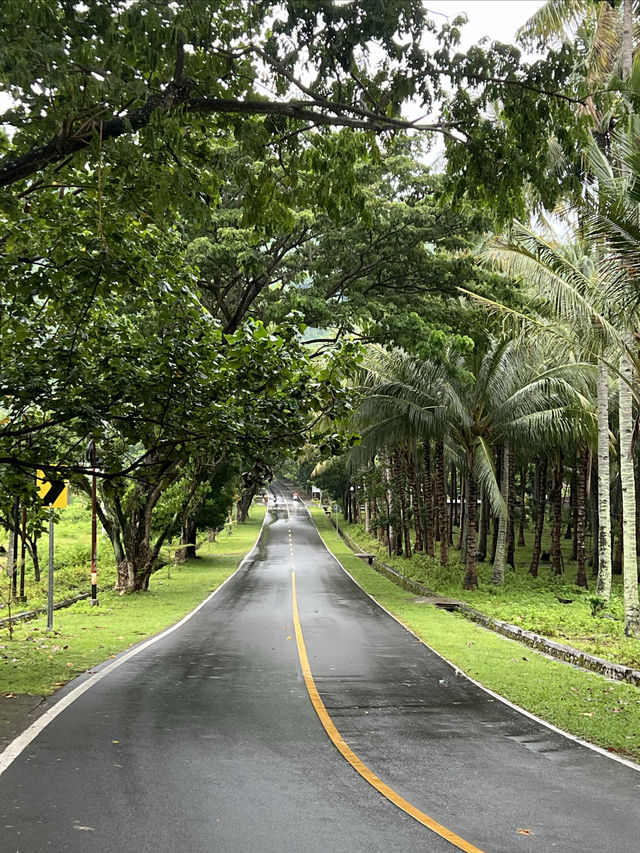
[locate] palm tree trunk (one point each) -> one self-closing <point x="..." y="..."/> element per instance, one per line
<point x="523" y="514"/>
<point x="574" y="515"/>
<point x="454" y="492"/>
<point x="497" y="576"/>
<point x="630" y="565"/>
<point x="541" y="470"/>
<point x="572" y="502"/>
<point x="581" y="515"/>
<point x="427" y="486"/>
<point x="463" y="512"/>
<point x="483" y="527"/>
<point x="511" y="504"/>
<point x="627" y="39"/>
<point x="636" y="463"/>
<point x="414" y="490"/>
<point x="441" y="500"/>
<point x="603" y="585"/>
<point x="471" y="574"/>
<point x="555" y="499"/>
<point x="397" y="487"/>
<point x="404" y="506"/>
<point x="458" y="490"/>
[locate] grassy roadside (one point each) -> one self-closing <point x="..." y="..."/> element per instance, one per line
<point x="585" y="704"/>
<point x="37" y="662"/>
<point x="549" y="605"/>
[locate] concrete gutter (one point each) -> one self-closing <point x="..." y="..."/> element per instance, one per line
<point x="566" y="654"/>
<point x="24" y="615"/>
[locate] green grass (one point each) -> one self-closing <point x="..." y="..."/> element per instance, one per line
<point x="72" y="559"/>
<point x="39" y="662"/>
<point x="585" y="704"/>
<point x="531" y="603"/>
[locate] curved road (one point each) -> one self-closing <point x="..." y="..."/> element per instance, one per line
<point x="206" y="740"/>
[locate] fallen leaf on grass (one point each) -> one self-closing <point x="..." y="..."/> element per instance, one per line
<point x="587" y="714"/>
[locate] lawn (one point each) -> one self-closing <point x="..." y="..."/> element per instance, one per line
<point x="552" y="606"/>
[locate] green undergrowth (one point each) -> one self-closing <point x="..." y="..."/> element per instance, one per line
<point x="38" y="662"/>
<point x="72" y="560"/>
<point x="587" y="705"/>
<point x="548" y="605"/>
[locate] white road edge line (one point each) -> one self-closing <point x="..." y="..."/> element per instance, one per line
<point x="22" y="741"/>
<point x="497" y="696"/>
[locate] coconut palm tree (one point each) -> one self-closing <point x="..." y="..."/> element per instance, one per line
<point x="588" y="285"/>
<point x="500" y="394"/>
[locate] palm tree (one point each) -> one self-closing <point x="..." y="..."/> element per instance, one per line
<point x="501" y="393"/>
<point x="587" y="284"/>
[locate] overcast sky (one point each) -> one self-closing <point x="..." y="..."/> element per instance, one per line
<point x="498" y="19"/>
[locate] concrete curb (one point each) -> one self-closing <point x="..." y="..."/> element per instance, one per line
<point x="31" y="614"/>
<point x="566" y="654"/>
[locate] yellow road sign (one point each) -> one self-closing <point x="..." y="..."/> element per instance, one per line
<point x="54" y="493"/>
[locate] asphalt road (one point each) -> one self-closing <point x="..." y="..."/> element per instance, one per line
<point x="207" y="741"/>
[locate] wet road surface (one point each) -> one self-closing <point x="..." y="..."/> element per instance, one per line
<point x="207" y="740"/>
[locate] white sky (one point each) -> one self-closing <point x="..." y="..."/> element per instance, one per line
<point x="497" y="19"/>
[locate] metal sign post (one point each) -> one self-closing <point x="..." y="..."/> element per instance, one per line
<point x="54" y="494"/>
<point x="94" y="529"/>
<point x="50" y="584"/>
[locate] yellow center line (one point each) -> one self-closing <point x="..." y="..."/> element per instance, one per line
<point x="348" y="753"/>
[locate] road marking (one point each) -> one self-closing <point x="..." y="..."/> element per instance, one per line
<point x="348" y="753"/>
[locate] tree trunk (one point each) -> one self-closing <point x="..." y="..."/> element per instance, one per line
<point x="511" y="504"/>
<point x="414" y="491"/>
<point x="32" y="548"/>
<point x="630" y="565"/>
<point x="463" y="515"/>
<point x="495" y="518"/>
<point x="616" y="564"/>
<point x="441" y="500"/>
<point x="454" y="491"/>
<point x="386" y="479"/>
<point x="541" y="472"/>
<point x="483" y="527"/>
<point x="404" y="508"/>
<point x="523" y="511"/>
<point x="497" y="575"/>
<point x="581" y="516"/>
<point x="594" y="524"/>
<point x="575" y="487"/>
<point x="471" y="574"/>
<point x="555" y="499"/>
<point x="627" y="39"/>
<point x="188" y="538"/>
<point x="427" y="490"/>
<point x="572" y="502"/>
<point x="603" y="585"/>
<point x="244" y="504"/>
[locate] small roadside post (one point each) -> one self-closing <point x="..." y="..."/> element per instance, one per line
<point x="94" y="526"/>
<point x="54" y="494"/>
